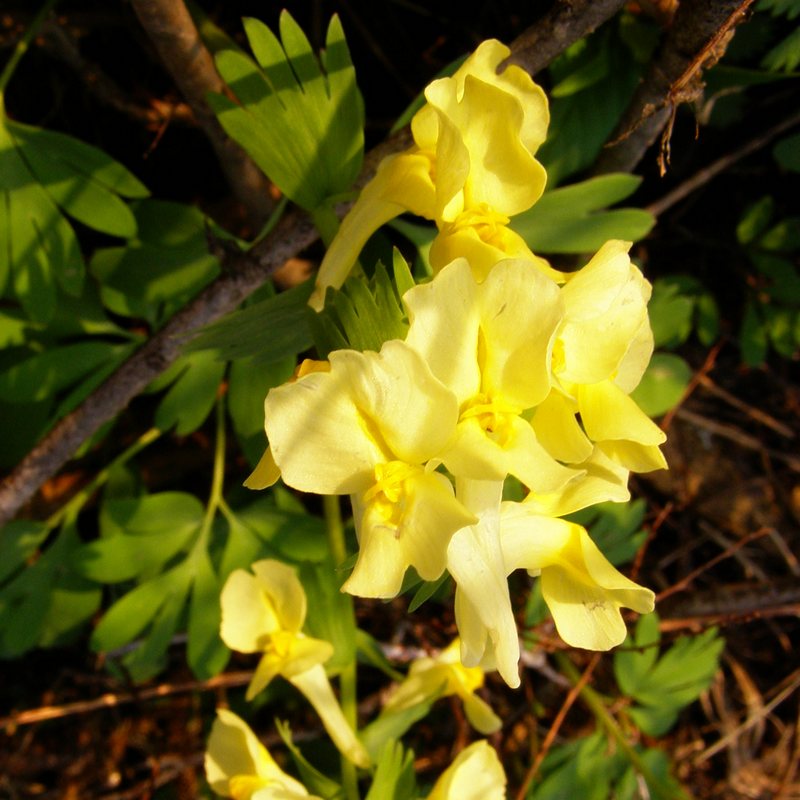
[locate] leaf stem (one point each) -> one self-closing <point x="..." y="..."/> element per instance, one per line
<point x="22" y="47"/>
<point x="71" y="508"/>
<point x="217" y="477"/>
<point x="596" y="705"/>
<point x="347" y="677"/>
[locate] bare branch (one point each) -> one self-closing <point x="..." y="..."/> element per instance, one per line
<point x="697" y="39"/>
<point x="174" y="35"/>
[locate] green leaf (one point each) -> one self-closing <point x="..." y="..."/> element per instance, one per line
<point x="267" y="331"/>
<point x="76" y="194"/>
<point x="369" y="651"/>
<point x="663" y="684"/>
<point x="206" y="653"/>
<point x="787" y="152"/>
<point x="427" y="590"/>
<point x="362" y="314"/>
<point x="248" y="384"/>
<point x="330" y="611"/>
<point x="155" y="274"/>
<point x="390" y="727"/>
<point x="394" y="777"/>
<point x="302" y="126"/>
<point x="42" y="375"/>
<point x="82" y="158"/>
<point x="581" y="121"/>
<point x="657" y="762"/>
<point x="785" y="55"/>
<point x="18" y="542"/>
<point x="616" y="528"/>
<point x="753" y="336"/>
<point x="755" y="219"/>
<point x="572" y="219"/>
<point x="191" y="398"/>
<point x="671" y="310"/>
<point x="663" y="384"/>
<point x="73" y="602"/>
<point x="314" y="780"/>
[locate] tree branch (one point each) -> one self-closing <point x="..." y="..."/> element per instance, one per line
<point x="565" y="23"/>
<point x="242" y="275"/>
<point x="172" y="31"/>
<point x="696" y="40"/>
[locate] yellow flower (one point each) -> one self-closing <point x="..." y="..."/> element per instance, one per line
<point x="472" y="166"/>
<point x="476" y="774"/>
<point x="582" y="589"/>
<point x="441" y="676"/>
<point x="367" y="427"/>
<point x="239" y="766"/>
<point x="491" y="343"/>
<point x="264" y="612"/>
<point x="601" y="350"/>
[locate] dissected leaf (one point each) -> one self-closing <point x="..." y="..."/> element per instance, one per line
<point x="662" y="684"/>
<point x="206" y="652"/>
<point x="302" y="126"/>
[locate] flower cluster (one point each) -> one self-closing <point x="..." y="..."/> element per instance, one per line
<point x="508" y="369"/>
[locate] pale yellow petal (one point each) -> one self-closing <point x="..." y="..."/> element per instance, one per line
<point x="558" y="431"/>
<point x="608" y="413"/>
<point x="606" y="306"/>
<point x="318" y="437"/>
<point x="317" y="690"/>
<point x="409" y="409"/>
<point x="480" y="155"/>
<point x="476" y="774"/>
<point x="603" y="480"/>
<point x="413" y="531"/>
<point x="483" y="245"/>
<point x="248" y="618"/>
<point x="520" y="310"/>
<point x="233" y="749"/>
<point x="637" y="357"/>
<point x="480" y="715"/>
<point x="634" y="456"/>
<point x="305" y="653"/>
<point x="445" y="324"/>
<point x="480" y="452"/>
<point x="475" y="560"/>
<point x="269" y="667"/>
<point x="265" y="474"/>
<point x="402" y="183"/>
<point x="285" y="592"/>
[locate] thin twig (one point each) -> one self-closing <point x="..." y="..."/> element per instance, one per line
<point x="706" y="174"/>
<point x="569" y="701"/>
<point x="110" y="700"/>
<point x="172" y="31"/>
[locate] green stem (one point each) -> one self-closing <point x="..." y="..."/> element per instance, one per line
<point x="347" y="678"/>
<point x="217" y="479"/>
<point x="326" y="222"/>
<point x="76" y="503"/>
<point x="595" y="703"/>
<point x="22" y="47"/>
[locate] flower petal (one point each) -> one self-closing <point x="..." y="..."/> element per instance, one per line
<point x="248" y="619"/>
<point x="402" y="183"/>
<point x="317" y="690"/>
<point x="428" y="515"/>
<point x="445" y="323"/>
<point x="265" y="474"/>
<point x="476" y="774"/>
<point x="269" y="667"/>
<point x="475" y="560"/>
<point x="557" y="429"/>
<point x="284" y="591"/>
<point x="480" y="715"/>
<point x="608" y="413"/>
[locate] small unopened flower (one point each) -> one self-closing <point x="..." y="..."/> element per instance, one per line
<point x="239" y="766"/>
<point x="264" y="612"/>
<point x="476" y="774"/>
<point x="443" y="675"/>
